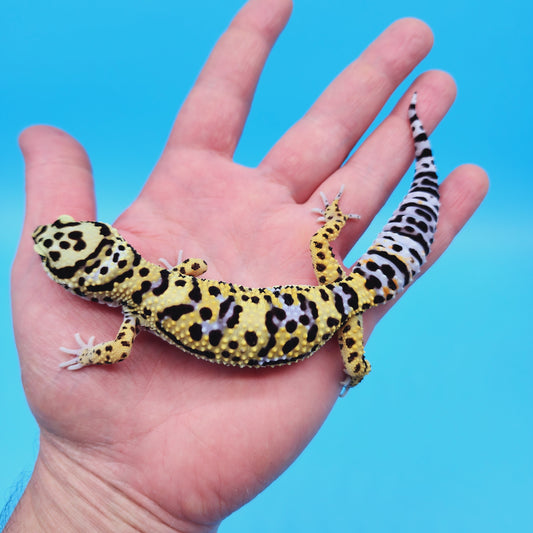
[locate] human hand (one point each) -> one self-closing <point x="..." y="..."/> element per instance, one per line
<point x="166" y="439"/>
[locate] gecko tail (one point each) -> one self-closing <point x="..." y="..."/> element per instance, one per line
<point x="400" y="250"/>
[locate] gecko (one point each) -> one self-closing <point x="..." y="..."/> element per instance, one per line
<point x="241" y="326"/>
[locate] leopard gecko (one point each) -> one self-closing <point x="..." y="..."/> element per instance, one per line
<point x="240" y="326"/>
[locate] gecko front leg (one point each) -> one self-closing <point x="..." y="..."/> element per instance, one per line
<point x="105" y="353"/>
<point x="326" y="266"/>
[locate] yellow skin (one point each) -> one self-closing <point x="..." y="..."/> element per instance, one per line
<point x="168" y="442"/>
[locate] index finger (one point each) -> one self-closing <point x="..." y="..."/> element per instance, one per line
<point x="216" y="109"/>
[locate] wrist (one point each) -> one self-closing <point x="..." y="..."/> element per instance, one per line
<point x="64" y="495"/>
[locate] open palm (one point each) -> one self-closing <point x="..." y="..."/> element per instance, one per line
<point x="180" y="440"/>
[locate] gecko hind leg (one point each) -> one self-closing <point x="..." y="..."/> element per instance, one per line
<point x="356" y="367"/>
<point x="327" y="268"/>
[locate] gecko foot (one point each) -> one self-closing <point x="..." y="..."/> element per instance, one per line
<point x="330" y="208"/>
<point x="74" y="364"/>
<point x="168" y="265"/>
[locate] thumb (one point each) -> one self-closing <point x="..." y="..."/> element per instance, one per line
<point x="58" y="177"/>
<point x="58" y="181"/>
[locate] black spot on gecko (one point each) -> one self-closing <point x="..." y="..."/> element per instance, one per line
<point x="291" y="326"/>
<point x="104" y="229"/>
<point x="304" y="320"/>
<point x="195" y="294"/>
<point x="349" y="342"/>
<point x="314" y="309"/>
<point x="303" y="302"/>
<point x="353" y="300"/>
<point x="251" y="338"/>
<point x="388" y="271"/>
<point x="215" y="336"/>
<point x="195" y="331"/>
<point x="206" y="313"/>
<point x="416" y="255"/>
<point x="224" y="306"/>
<point x="175" y="312"/>
<point x="339" y="304"/>
<point x="269" y="322"/>
<point x="233" y="320"/>
<point x="163" y="286"/>
<point x="214" y="291"/>
<point x="290" y="345"/>
<point x="288" y="299"/>
<point x="137" y="295"/>
<point x="312" y="333"/>
<point x="372" y="266"/>
<point x="263" y="352"/>
<point x="279" y="313"/>
<point x="332" y="322"/>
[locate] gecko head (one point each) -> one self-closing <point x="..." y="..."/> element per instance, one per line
<point x="78" y="254"/>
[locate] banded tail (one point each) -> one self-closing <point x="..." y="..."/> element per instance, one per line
<point x="400" y="250"/>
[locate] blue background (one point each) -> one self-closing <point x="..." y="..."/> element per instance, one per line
<point x="445" y="422"/>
